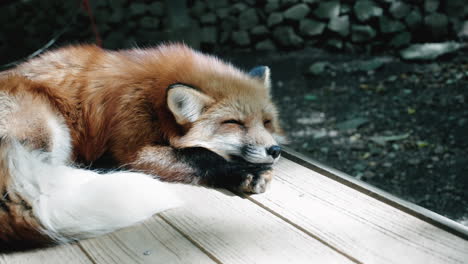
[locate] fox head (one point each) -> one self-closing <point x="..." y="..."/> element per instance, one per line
<point x="233" y="116"/>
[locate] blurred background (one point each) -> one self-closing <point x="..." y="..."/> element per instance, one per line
<point x="375" y="88"/>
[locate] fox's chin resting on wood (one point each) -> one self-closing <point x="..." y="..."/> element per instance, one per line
<point x="168" y="114"/>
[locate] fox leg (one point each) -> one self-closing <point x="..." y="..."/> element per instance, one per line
<point x="201" y="167"/>
<point x="43" y="199"/>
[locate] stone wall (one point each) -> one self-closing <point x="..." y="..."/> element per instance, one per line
<point x="348" y="25"/>
<point x="355" y="25"/>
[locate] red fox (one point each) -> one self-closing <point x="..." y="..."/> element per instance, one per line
<point x="169" y="112"/>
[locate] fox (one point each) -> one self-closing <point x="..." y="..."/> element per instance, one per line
<point x="167" y="114"/>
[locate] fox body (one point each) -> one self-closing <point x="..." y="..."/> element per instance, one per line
<point x="169" y="112"/>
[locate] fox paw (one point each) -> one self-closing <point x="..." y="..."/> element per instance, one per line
<point x="256" y="183"/>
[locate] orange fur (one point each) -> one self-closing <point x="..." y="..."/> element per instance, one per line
<point x="116" y="102"/>
<point x="26" y="123"/>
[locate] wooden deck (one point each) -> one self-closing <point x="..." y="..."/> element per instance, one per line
<point x="311" y="214"/>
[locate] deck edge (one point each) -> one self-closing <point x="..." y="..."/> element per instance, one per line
<point x="415" y="210"/>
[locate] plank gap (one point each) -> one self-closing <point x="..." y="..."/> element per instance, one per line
<point x="302" y="229"/>
<point x="86" y="253"/>
<point x="211" y="256"/>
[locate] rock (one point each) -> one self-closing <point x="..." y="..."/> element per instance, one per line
<point x="138" y="8"/>
<point x="241" y="38"/>
<point x="327" y="9"/>
<point x="286" y="37"/>
<point x="318" y="68"/>
<point x="238" y="8"/>
<point x="319" y="133"/>
<point x="224" y="36"/>
<point x="399" y="9"/>
<point x="222" y="12"/>
<point x="149" y="22"/>
<point x="414" y="19"/>
<point x="431" y="5"/>
<point x="157" y="9"/>
<point x="248" y="19"/>
<point x="463" y="33"/>
<point x="213" y="5"/>
<point x="414" y="161"/>
<point x="382" y="140"/>
<point x="313" y="118"/>
<point x="208" y="19"/>
<point x="274" y="19"/>
<point x="344" y="8"/>
<point x="388" y="25"/>
<point x="392" y="78"/>
<point x="351" y="124"/>
<point x="117" y="15"/>
<point x="286" y="3"/>
<point x="366" y="9"/>
<point x="250" y="2"/>
<point x="259" y="32"/>
<point x="310" y="27"/>
<point x="340" y="25"/>
<point x="437" y="24"/>
<point x="325" y="150"/>
<point x="335" y="43"/>
<point x="430" y="51"/>
<point x="439" y="150"/>
<point x="361" y="33"/>
<point x="456" y="8"/>
<point x="368" y="175"/>
<point x="296" y="12"/>
<point x="359" y="167"/>
<point x="228" y="25"/>
<point x="266" y="45"/>
<point x="198" y="8"/>
<point x="272" y="5"/>
<point x="455" y="23"/>
<point x="358" y="145"/>
<point x="209" y="35"/>
<point x="310" y="97"/>
<point x="401" y="39"/>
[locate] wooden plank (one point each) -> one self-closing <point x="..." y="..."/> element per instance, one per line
<point x="413" y="209"/>
<point x="354" y="223"/>
<point x="69" y="254"/>
<point x="235" y="230"/>
<point x="153" y="241"/>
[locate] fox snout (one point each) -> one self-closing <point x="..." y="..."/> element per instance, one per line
<point x="261" y="154"/>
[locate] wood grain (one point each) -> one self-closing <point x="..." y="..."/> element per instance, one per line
<point x="153" y="241"/>
<point x="69" y="254"/>
<point x="354" y="223"/>
<point x="235" y="230"/>
<point x="304" y="218"/>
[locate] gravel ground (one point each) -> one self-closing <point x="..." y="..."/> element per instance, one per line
<point x="400" y="126"/>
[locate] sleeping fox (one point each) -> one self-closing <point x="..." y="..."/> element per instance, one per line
<point x="168" y="114"/>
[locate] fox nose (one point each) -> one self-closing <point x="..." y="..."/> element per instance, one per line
<point x="274" y="151"/>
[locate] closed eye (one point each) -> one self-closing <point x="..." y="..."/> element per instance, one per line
<point x="233" y="121"/>
<point x="266" y="122"/>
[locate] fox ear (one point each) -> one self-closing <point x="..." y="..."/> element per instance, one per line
<point x="186" y="103"/>
<point x="262" y="73"/>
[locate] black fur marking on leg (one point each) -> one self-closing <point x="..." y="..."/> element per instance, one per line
<point x="4" y="200"/>
<point x="4" y="206"/>
<point x="213" y="170"/>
